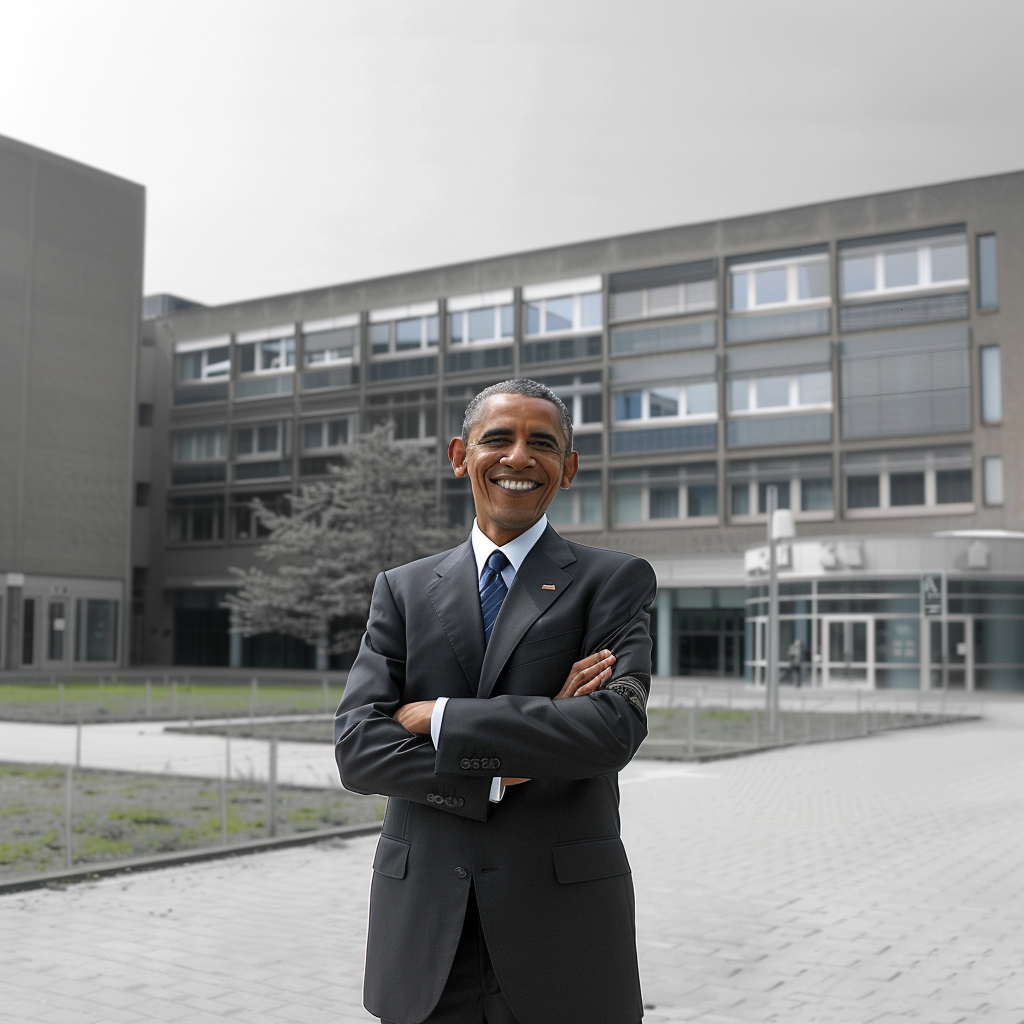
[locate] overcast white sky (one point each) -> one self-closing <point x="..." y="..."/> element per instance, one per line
<point x="287" y="144"/>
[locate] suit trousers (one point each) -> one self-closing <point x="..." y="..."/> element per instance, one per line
<point x="472" y="994"/>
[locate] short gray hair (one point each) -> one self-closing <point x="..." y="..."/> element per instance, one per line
<point x="517" y="386"/>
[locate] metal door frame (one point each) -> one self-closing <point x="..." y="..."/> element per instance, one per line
<point x="44" y="659"/>
<point x="968" y="666"/>
<point x="826" y="620"/>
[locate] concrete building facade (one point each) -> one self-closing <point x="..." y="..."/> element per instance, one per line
<point x="859" y="355"/>
<point x="71" y="252"/>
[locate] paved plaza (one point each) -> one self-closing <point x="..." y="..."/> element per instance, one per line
<point x="868" y="882"/>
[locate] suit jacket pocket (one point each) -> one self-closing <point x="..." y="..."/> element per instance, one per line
<point x="391" y="857"/>
<point x="593" y="858"/>
<point x="547" y="647"/>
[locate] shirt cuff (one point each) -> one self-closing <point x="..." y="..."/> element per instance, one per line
<point x="497" y="790"/>
<point x="435" y="720"/>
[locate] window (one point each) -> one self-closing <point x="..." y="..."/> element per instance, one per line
<point x="332" y="433"/>
<point x="334" y="345"/>
<point x="667" y="402"/>
<point x="266" y="356"/>
<point x="772" y="284"/>
<point x="145" y="414"/>
<point x="993" y="479"/>
<point x="563" y="306"/>
<point x="908" y="482"/>
<point x="903" y="265"/>
<point x="492" y="323"/>
<point x="581" y="504"/>
<point x="991" y="385"/>
<point x="412" y="415"/>
<point x="666" y="494"/>
<point x="404" y="329"/>
<point x="803" y="485"/>
<point x="96" y="632"/>
<point x="141" y="495"/>
<point x="258" y="441"/>
<point x="988" y="273"/>
<point x="203" y="445"/>
<point x="664" y="300"/>
<point x="56" y="632"/>
<point x="204" y="364"/>
<point x="777" y="393"/>
<point x="583" y="397"/>
<point x="245" y="525"/>
<point x="195" y="519"/>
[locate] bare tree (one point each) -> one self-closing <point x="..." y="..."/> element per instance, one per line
<point x="378" y="510"/>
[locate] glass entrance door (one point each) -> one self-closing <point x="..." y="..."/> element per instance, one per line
<point x="952" y="654"/>
<point x="848" y="651"/>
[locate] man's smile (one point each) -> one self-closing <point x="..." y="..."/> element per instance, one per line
<point x="507" y="484"/>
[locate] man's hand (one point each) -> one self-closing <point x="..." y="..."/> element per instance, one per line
<point x="587" y="675"/>
<point x="415" y="717"/>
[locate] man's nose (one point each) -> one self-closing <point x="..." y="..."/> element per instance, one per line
<point x="519" y="456"/>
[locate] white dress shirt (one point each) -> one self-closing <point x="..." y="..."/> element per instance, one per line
<point x="515" y="551"/>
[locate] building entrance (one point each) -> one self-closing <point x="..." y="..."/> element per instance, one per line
<point x="952" y="654"/>
<point x="848" y="651"/>
<point x="709" y="642"/>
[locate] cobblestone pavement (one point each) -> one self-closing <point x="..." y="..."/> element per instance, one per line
<point x="870" y="882"/>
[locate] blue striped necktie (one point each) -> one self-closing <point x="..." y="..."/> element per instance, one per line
<point x="492" y="590"/>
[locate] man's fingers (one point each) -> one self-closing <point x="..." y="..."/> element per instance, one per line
<point x="594" y="684"/>
<point x="584" y="672"/>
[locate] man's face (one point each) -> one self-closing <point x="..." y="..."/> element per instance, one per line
<point x="515" y="462"/>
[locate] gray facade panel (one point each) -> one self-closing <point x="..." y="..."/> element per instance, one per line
<point x="777" y="325"/>
<point x="764" y="431"/>
<point x="663" y="337"/>
<point x="933" y="309"/>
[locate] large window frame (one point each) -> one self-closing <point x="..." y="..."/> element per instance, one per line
<point x="196" y="519"/>
<point x="903" y="474"/>
<point x="646" y="401"/>
<point x="581" y="506"/>
<point x="203" y="361"/>
<point x="411" y="414"/>
<point x="749" y="279"/>
<point x="653" y="491"/>
<point x="657" y="301"/>
<point x="199" y="444"/>
<point x="266" y="351"/>
<point x="563" y="307"/>
<point x="330" y="342"/>
<point x="320" y="435"/>
<point x="583" y="395"/>
<point x="882" y="254"/>
<point x="745" y="393"/>
<point x="404" y="330"/>
<point x="805" y="487"/>
<point x="259" y="442"/>
<point x="481" y="320"/>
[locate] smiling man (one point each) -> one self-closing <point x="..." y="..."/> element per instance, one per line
<point x="498" y="690"/>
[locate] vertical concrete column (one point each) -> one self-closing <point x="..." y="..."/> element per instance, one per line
<point x="15" y="583"/>
<point x="234" y="645"/>
<point x="663" y="606"/>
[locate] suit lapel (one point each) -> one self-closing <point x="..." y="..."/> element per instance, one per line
<point x="525" y="603"/>
<point x="455" y="595"/>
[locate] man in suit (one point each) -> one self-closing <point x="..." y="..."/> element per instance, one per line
<point x="498" y="690"/>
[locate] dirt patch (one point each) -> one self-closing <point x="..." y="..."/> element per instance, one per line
<point x="127" y="814"/>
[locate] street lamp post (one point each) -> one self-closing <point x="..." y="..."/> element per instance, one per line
<point x="772" y="652"/>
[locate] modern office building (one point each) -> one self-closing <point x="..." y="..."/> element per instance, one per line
<point x="71" y="249"/>
<point x="859" y="355"/>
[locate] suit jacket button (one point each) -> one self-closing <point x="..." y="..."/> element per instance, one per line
<point x="461" y="872"/>
<point x="465" y="762"/>
<point x="495" y="763"/>
<point x="459" y="801"/>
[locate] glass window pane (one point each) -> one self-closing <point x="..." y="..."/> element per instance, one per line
<point x="738" y="290"/>
<point x="97" y="630"/>
<point x="627" y="405"/>
<point x="662" y="300"/>
<point x="506" y="322"/>
<point x="190" y="366"/>
<point x="244" y="441"/>
<point x="455" y="327"/>
<point x="858" y="274"/>
<point x="816" y="388"/>
<point x="218" y="362"/>
<point x="770" y="285"/>
<point x="664" y="502"/>
<point x="862" y="492"/>
<point x="481" y="324"/>
<point x="702" y="500"/>
<point x="267" y="438"/>
<point x="739" y="395"/>
<point x="533" y="318"/>
<point x="337" y="432"/>
<point x="288" y="349"/>
<point x="812" y="280"/>
<point x="772" y="392"/>
<point x="815" y="495"/>
<point x="627" y="504"/>
<point x="433" y="326"/>
<point x="701" y="399"/>
<point x="558" y="315"/>
<point x="313" y="435"/>
<point x="664" y="402"/>
<point x="988" y="272"/>
<point x="700" y="295"/>
<point x="592" y="409"/>
<point x="560" y="509"/>
<point x="901" y="269"/>
<point x="247" y="358"/>
<point x="270" y="355"/>
<point x="591" y="309"/>
<point x="740" y="503"/>
<point x="782" y="488"/>
<point x="993" y="480"/>
<point x="590" y="505"/>
<point x="949" y="262"/>
<point x="991" y="385"/>
<point x="952" y="486"/>
<point x="408" y="334"/>
<point x="906" y="489"/>
<point x="380" y="336"/>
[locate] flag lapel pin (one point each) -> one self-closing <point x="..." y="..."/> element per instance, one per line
<point x="548" y="586"/>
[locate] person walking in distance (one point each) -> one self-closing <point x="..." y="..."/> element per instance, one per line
<point x="498" y="690"/>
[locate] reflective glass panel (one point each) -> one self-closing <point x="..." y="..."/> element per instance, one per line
<point x="815" y="495"/>
<point x="772" y="392"/>
<point x="770" y="285"/>
<point x="312" y="435"/>
<point x="558" y="315"/>
<point x="906" y="488"/>
<point x="591" y="310"/>
<point x="455" y="327"/>
<point x="901" y="269"/>
<point x="858" y="274"/>
<point x="991" y="385"/>
<point x="700" y="295"/>
<point x="862" y="492"/>
<point x="267" y="438"/>
<point x="380" y="336"/>
<point x="481" y="324"/>
<point x="739" y="395"/>
<point x="816" y="388"/>
<point x="244" y="441"/>
<point x="740" y="503"/>
<point x="190" y="366"/>
<point x="592" y="409"/>
<point x="533" y="318"/>
<point x="949" y="262"/>
<point x="988" y="272"/>
<point x="664" y="402"/>
<point x="812" y="280"/>
<point x="627" y="504"/>
<point x="702" y="500"/>
<point x="628" y="405"/>
<point x="218" y="362"/>
<point x="506" y="321"/>
<point x="560" y="509"/>
<point x="738" y="290"/>
<point x="664" y="502"/>
<point x="408" y="334"/>
<point x="337" y="432"/>
<point x="433" y="326"/>
<point x="701" y="399"/>
<point x="590" y="505"/>
<point x="952" y="486"/>
<point x="782" y="487"/>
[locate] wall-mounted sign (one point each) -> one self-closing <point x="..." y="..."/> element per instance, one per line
<point x="931" y="593"/>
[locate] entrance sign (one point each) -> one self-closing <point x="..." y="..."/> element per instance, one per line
<point x="931" y="594"/>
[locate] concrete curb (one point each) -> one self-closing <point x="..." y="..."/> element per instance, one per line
<point x="102" y="869"/>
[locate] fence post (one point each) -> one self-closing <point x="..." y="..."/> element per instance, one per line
<point x="69" y="780"/>
<point x="753" y="719"/>
<point x="272" y="789"/>
<point x="60" y="700"/>
<point x="78" y="741"/>
<point x="253" y="696"/>
<point x="327" y="695"/>
<point x="227" y="752"/>
<point x="671" y="692"/>
<point x="149" y="698"/>
<point x="174" y="695"/>
<point x="223" y="810"/>
<point x="782" y="727"/>
<point x="691" y="729"/>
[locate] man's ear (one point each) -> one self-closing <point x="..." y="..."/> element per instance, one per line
<point x="570" y="469"/>
<point x="457" y="456"/>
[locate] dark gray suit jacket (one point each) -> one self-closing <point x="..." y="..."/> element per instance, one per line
<point x="551" y="877"/>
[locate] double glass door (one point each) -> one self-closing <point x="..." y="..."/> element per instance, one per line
<point x="952" y="654"/>
<point x="848" y="650"/>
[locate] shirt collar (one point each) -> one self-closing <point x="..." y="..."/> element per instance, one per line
<point x="515" y="550"/>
